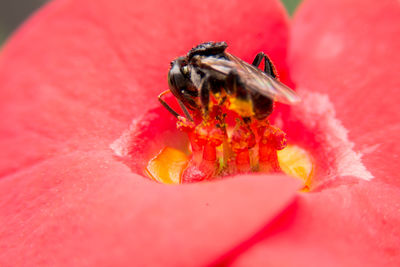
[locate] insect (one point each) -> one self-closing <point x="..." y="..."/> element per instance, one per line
<point x="208" y="70"/>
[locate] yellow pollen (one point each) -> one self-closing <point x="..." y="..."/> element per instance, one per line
<point x="167" y="166"/>
<point x="297" y="162"/>
<point x="243" y="108"/>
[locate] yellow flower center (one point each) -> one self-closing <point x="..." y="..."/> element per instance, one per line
<point x="168" y="165"/>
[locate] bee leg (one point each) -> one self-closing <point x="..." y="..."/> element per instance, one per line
<point x="269" y="68"/>
<point x="232" y="81"/>
<point x="185" y="111"/>
<point x="184" y="124"/>
<point x="205" y="96"/>
<point x="257" y="60"/>
<point x="234" y="87"/>
<point x="171" y="110"/>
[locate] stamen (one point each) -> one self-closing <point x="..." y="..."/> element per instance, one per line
<point x="243" y="161"/>
<point x="216" y="150"/>
<point x="271" y="140"/>
<point x="242" y="140"/>
<point x="188" y="127"/>
<point x="268" y="159"/>
<point x="208" y="166"/>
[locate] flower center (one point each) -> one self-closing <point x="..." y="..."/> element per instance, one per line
<point x="170" y="164"/>
<point x="319" y="149"/>
<point x="223" y="144"/>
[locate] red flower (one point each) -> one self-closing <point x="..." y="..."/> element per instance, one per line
<point x="73" y="78"/>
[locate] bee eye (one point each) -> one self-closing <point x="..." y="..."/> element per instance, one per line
<point x="185" y="70"/>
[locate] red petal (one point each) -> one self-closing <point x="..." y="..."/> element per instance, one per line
<point x="349" y="51"/>
<point x="87" y="209"/>
<point x="346" y="226"/>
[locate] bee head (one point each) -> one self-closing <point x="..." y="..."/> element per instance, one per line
<point x="180" y="83"/>
<point x="178" y="75"/>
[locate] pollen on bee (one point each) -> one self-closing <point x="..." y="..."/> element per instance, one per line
<point x="242" y="107"/>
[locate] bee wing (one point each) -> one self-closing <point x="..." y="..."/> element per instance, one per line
<point x="219" y="65"/>
<point x="253" y="78"/>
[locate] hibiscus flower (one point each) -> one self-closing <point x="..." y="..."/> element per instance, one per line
<point x="77" y="74"/>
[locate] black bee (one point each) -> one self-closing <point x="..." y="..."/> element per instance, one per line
<point x="208" y="69"/>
